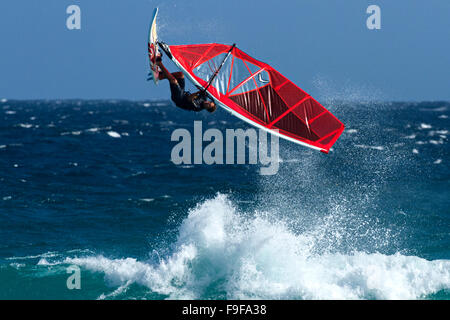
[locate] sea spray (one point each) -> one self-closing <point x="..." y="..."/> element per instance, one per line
<point x="221" y="253"/>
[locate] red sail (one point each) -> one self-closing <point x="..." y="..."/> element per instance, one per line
<point x="259" y="94"/>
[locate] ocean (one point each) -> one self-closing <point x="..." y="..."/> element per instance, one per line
<point x="91" y="184"/>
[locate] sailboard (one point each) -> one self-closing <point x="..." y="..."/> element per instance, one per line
<point x="256" y="93"/>
<point x="153" y="48"/>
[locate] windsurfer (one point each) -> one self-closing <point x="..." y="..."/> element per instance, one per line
<point x="184" y="99"/>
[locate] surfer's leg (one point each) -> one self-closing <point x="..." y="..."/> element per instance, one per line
<point x="176" y="93"/>
<point x="181" y="82"/>
<point x="177" y="75"/>
<point x="167" y="74"/>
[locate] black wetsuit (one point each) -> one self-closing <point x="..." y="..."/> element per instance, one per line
<point x="180" y="97"/>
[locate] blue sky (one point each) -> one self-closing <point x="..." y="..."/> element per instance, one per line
<point x="323" y="46"/>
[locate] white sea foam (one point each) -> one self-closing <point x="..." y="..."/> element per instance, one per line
<point x="438" y="161"/>
<point x="44" y="255"/>
<point x="46" y="262"/>
<point x="118" y="291"/>
<point x="114" y="134"/>
<point x="97" y="129"/>
<point x="380" y="148"/>
<point x="425" y="126"/>
<point x="17" y="265"/>
<point x="443" y="116"/>
<point x="252" y="257"/>
<point x="25" y="125"/>
<point x="438" y="109"/>
<point x="43" y="262"/>
<point x="415" y="151"/>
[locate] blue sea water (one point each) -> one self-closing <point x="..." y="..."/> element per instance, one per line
<point x="90" y="183"/>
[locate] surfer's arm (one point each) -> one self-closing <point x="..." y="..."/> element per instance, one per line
<point x="193" y="96"/>
<point x="197" y="94"/>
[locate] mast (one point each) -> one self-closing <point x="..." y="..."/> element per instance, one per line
<point x="218" y="69"/>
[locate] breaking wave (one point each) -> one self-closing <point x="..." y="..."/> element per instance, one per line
<point x="223" y="253"/>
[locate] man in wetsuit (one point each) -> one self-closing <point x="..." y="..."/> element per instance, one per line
<point x="184" y="99"/>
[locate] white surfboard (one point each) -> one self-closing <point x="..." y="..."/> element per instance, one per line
<point x="153" y="50"/>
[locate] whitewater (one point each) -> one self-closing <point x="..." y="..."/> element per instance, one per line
<point x="220" y="253"/>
